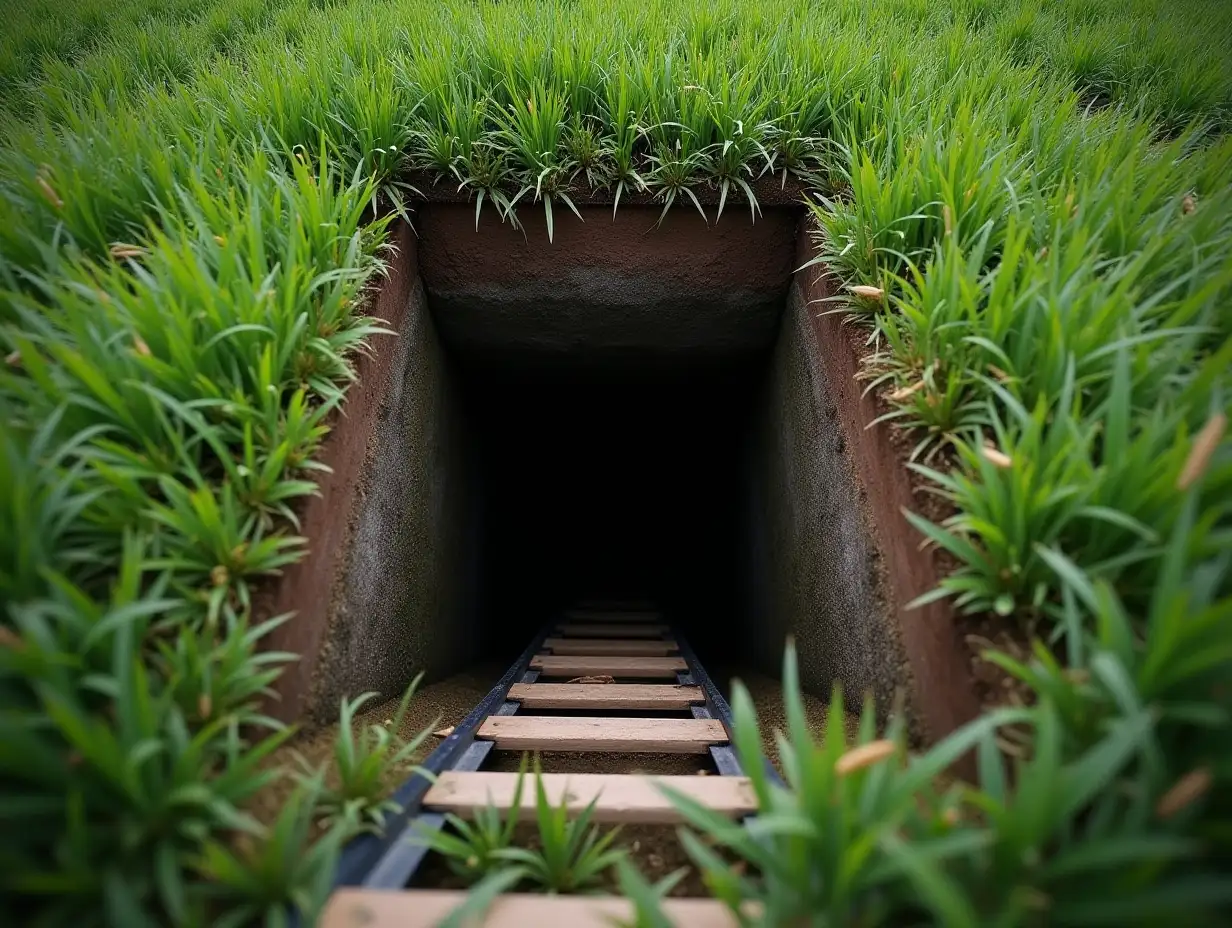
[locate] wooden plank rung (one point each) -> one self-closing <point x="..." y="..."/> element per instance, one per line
<point x="422" y="908"/>
<point x="607" y="646"/>
<point x="580" y="666"/>
<point x="613" y="615"/>
<point x="597" y="630"/>
<point x="599" y="696"/>
<point x="617" y="797"/>
<point x="641" y="736"/>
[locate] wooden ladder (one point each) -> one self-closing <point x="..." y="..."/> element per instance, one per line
<point x="573" y="666"/>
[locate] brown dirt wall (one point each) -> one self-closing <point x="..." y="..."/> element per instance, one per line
<point x="606" y="287"/>
<point x="386" y="589"/>
<point x="818" y="575"/>
<point x="942" y="694"/>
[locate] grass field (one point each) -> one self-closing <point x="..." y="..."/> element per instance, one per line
<point x="1030" y="204"/>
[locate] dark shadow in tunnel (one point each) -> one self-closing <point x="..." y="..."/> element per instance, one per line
<point x="618" y="482"/>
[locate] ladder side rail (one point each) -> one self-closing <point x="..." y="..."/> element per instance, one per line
<point x="716" y="707"/>
<point x="364" y="857"/>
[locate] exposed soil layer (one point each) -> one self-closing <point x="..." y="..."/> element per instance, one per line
<point x="611" y="289"/>
<point x="771" y="190"/>
<point x="404" y="601"/>
<point x="306" y="586"/>
<point x="817" y="573"/>
<point x="941" y="682"/>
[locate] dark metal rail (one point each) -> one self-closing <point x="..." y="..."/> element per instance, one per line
<point x="386" y="861"/>
<point x="716" y="707"/>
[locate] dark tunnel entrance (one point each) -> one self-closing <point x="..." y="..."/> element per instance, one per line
<point x="621" y="481"/>
<point x="635" y="417"/>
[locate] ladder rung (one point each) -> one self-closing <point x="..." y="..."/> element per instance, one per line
<point x="613" y="615"/>
<point x="647" y="647"/>
<point x="661" y="696"/>
<point x="617" y="666"/>
<point x="586" y="630"/>
<point x="654" y="736"/>
<point x="421" y="908"/>
<point x="617" y="797"/>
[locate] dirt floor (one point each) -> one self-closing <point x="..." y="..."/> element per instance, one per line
<point x="767" y="696"/>
<point x="655" y="849"/>
<point x="435" y="706"/>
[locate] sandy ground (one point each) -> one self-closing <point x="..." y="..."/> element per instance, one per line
<point x="767" y="696"/>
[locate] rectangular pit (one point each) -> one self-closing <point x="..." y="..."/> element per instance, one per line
<point x="630" y="412"/>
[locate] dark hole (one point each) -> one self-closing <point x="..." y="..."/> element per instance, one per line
<point x="622" y="480"/>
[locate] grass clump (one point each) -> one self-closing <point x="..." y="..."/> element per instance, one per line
<point x="571" y="853"/>
<point x="364" y="763"/>
<point x="1085" y="830"/>
<point x="473" y="849"/>
<point x="264" y="882"/>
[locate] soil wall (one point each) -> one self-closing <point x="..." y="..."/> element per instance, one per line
<point x="607" y="288"/>
<point x="387" y="588"/>
<point x="921" y="645"/>
<point x="818" y="574"/>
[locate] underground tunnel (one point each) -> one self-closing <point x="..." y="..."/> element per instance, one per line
<point x="630" y="411"/>
<point x="617" y="484"/>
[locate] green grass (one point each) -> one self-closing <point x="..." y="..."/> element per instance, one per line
<point x="364" y="764"/>
<point x="54" y="56"/>
<point x="571" y="855"/>
<point x="861" y="834"/>
<point x="1029" y="206"/>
